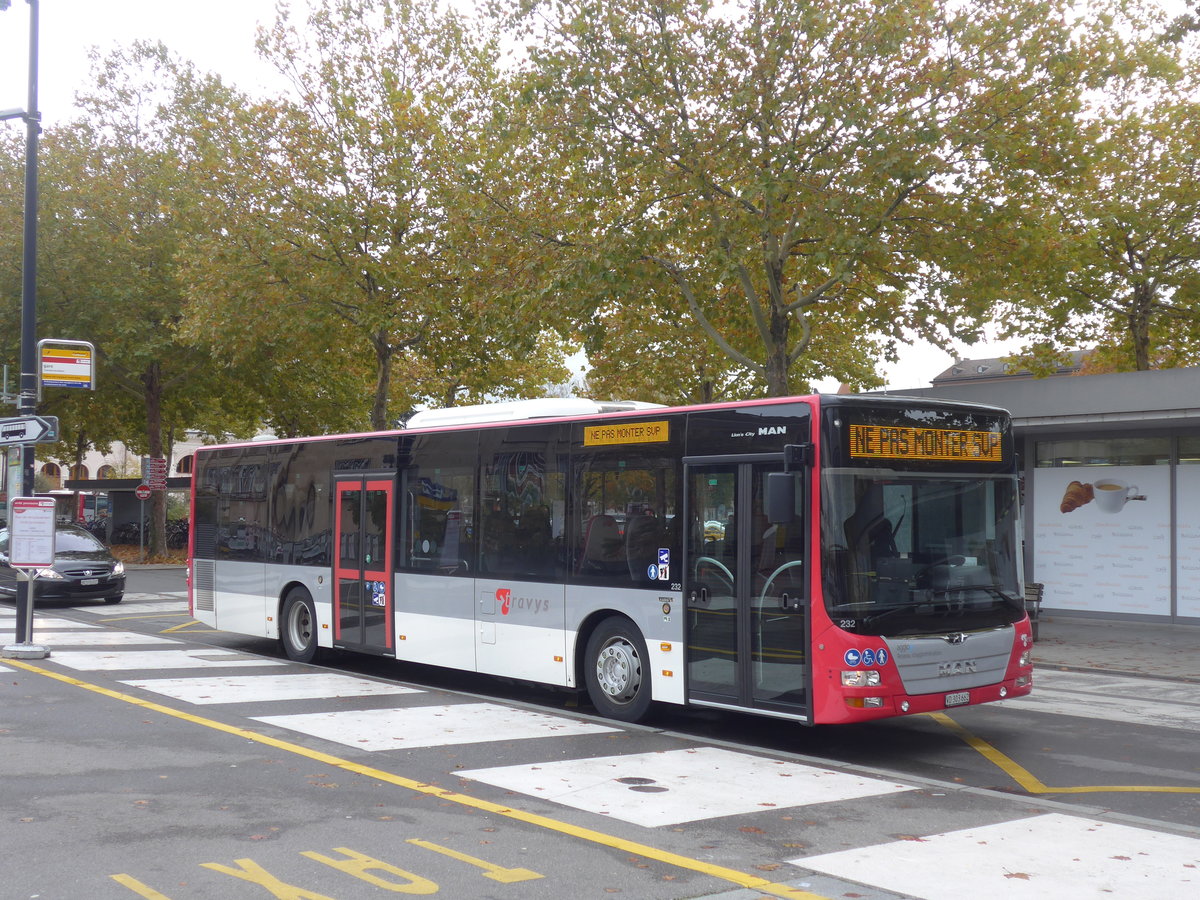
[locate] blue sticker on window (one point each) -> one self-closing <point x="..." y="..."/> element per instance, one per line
<point x="664" y="556"/>
<point x="852" y="657"/>
<point x="881" y="656"/>
<point x="652" y="572"/>
<point x="868" y="657"/>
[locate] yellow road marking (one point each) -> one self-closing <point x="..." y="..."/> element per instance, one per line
<point x="722" y="873"/>
<point x="1032" y="783"/>
<point x="138" y="888"/>
<point x="188" y="625"/>
<point x="490" y="870"/>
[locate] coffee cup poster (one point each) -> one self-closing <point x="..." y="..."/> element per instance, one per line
<point x="1102" y="538"/>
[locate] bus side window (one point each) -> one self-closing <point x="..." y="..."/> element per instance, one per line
<point x="522" y="523"/>
<point x="624" y="507"/>
<point x="438" y="506"/>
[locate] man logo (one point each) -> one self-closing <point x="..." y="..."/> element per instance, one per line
<point x="960" y="667"/>
<point x="772" y="429"/>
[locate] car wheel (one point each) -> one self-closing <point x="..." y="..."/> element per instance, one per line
<point x="616" y="670"/>
<point x="299" y="632"/>
<point x="116" y="599"/>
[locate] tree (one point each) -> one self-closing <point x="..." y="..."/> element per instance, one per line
<point x="117" y="190"/>
<point x="341" y="212"/>
<point x="1106" y="250"/>
<point x="1123" y="266"/>
<point x="806" y="162"/>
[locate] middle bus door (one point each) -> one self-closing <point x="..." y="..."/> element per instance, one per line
<point x="362" y="576"/>
<point x="746" y="593"/>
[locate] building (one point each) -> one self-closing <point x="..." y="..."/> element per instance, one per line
<point x="1111" y="484"/>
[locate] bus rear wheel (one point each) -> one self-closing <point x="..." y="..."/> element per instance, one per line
<point x="616" y="670"/>
<point x="299" y="631"/>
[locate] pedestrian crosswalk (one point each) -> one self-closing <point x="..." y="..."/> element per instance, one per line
<point x="677" y="782"/>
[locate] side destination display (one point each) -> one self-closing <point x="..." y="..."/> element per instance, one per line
<point x="626" y="433"/>
<point x="900" y="442"/>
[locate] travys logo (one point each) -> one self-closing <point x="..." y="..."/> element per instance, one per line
<point x="504" y="596"/>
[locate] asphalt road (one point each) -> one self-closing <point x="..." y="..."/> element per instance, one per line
<point x="150" y="757"/>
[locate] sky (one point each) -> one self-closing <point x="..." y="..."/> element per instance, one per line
<point x="218" y="36"/>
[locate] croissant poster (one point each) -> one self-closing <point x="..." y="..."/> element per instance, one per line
<point x="1102" y="538"/>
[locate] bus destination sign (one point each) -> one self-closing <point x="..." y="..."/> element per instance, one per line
<point x="902" y="442"/>
<point x="625" y="433"/>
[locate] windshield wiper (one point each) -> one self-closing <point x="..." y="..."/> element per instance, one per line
<point x="991" y="589"/>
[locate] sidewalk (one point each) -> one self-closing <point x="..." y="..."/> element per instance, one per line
<point x="1163" y="651"/>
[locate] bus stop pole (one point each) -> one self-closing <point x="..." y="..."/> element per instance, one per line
<point x="28" y="385"/>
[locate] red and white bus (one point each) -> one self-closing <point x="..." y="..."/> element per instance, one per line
<point x="822" y="559"/>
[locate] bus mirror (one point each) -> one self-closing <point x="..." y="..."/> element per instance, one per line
<point x="780" y="498"/>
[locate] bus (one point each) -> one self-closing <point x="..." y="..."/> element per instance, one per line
<point x="822" y="559"/>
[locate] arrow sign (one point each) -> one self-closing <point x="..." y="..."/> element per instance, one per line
<point x="28" y="430"/>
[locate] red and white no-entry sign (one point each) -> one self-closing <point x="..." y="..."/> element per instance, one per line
<point x="142" y="492"/>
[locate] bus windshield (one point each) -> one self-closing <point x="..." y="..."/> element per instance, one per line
<point x="930" y="553"/>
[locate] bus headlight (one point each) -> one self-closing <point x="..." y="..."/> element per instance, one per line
<point x="861" y="678"/>
<point x="1026" y="658"/>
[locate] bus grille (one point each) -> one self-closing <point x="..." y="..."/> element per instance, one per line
<point x="202" y="584"/>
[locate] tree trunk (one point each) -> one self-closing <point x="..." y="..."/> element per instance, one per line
<point x="81" y="445"/>
<point x="152" y="395"/>
<point x="1139" y="326"/>
<point x="383" y="378"/>
<point x="777" y="366"/>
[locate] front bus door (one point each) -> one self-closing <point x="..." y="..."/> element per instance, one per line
<point x="362" y="574"/>
<point x="747" y="592"/>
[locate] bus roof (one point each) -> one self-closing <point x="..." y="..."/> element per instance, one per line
<point x="516" y="410"/>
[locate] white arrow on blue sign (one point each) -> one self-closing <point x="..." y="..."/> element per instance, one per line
<point x="28" y="430"/>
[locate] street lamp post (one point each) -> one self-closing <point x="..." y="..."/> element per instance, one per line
<point x="27" y="400"/>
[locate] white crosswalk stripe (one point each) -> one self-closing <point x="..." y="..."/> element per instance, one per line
<point x="655" y="789"/>
<point x="1051" y="855"/>
<point x="195" y="658"/>
<point x="1114" y="698"/>
<point x="265" y="688"/>
<point x="99" y="637"/>
<point x="431" y="726"/>
<point x="161" y="607"/>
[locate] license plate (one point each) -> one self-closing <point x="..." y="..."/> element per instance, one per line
<point x="960" y="699"/>
<point x="87" y="581"/>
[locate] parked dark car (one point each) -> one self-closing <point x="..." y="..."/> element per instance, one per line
<point x="83" y="569"/>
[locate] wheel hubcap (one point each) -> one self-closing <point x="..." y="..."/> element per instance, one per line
<point x="301" y="626"/>
<point x="619" y="670"/>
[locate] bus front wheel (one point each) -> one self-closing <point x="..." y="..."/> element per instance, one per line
<point x="617" y="672"/>
<point x="299" y="632"/>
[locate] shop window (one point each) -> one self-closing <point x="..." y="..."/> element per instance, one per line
<point x="53" y="474"/>
<point x="79" y="473"/>
<point x="107" y="472"/>
<point x="184" y="466"/>
<point x="1189" y="450"/>
<point x="1122" y="451"/>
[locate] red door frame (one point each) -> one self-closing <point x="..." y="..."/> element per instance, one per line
<point x="364" y="574"/>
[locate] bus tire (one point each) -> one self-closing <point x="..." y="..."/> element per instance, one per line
<point x="299" y="631"/>
<point x="616" y="670"/>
